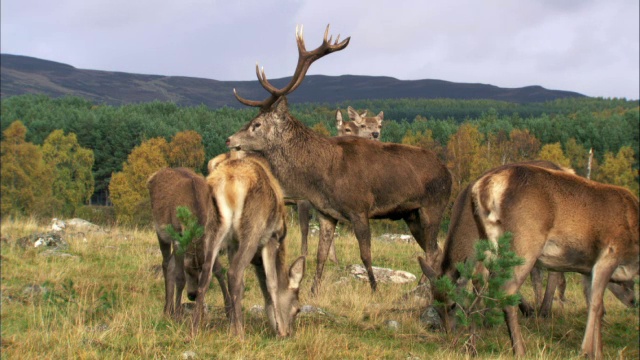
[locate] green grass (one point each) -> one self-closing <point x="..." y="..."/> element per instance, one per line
<point x="107" y="303"/>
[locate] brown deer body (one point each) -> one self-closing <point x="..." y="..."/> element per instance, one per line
<point x="252" y="226"/>
<point x="336" y="175"/>
<point x="360" y="126"/>
<point x="565" y="223"/>
<point x="168" y="189"/>
<point x="459" y="247"/>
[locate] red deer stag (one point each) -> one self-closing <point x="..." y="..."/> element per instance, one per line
<point x="252" y="225"/>
<point x="345" y="178"/>
<point x="361" y="126"/>
<point x="565" y="223"/>
<point x="168" y="189"/>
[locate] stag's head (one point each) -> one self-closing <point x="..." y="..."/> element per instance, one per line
<point x="288" y="301"/>
<point x="274" y="114"/>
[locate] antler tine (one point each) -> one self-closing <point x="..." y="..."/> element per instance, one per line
<point x="254" y="103"/>
<point x="305" y="59"/>
<point x="262" y="79"/>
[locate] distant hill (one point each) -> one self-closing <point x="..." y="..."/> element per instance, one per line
<point x="27" y="75"/>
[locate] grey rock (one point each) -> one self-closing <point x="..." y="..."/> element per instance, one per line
<point x="382" y="275"/>
<point x="431" y="318"/>
<point x="188" y="355"/>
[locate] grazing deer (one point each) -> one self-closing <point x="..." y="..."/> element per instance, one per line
<point x="168" y="189"/>
<point x="252" y="225"/>
<point x="360" y="126"/>
<point x="565" y="223"/>
<point x="345" y="178"/>
<point x="459" y="247"/>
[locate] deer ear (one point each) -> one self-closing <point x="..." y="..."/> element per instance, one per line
<point x="296" y="273"/>
<point x="353" y="115"/>
<point x="281" y="106"/>
<point x="364" y="114"/>
<point x="338" y="118"/>
<point x="380" y="116"/>
<point x="427" y="269"/>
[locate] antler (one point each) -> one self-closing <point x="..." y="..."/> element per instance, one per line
<point x="305" y="59"/>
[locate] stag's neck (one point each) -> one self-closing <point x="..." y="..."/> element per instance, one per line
<point x="300" y="158"/>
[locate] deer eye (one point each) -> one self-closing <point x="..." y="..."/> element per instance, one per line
<point x="256" y="125"/>
<point x="347" y="130"/>
<point x="362" y="126"/>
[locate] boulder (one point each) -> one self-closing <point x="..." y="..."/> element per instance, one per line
<point x="382" y="275"/>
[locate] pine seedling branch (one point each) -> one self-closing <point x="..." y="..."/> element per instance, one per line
<point x="191" y="229"/>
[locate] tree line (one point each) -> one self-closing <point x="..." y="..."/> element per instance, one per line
<point x="48" y="141"/>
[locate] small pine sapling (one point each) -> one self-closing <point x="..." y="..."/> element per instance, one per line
<point x="191" y="229"/>
<point x="483" y="304"/>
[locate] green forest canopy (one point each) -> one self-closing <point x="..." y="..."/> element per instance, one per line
<point x="113" y="131"/>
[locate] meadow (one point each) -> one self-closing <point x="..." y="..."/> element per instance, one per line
<point x="105" y="301"/>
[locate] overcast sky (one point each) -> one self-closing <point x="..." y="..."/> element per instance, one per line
<point x="587" y="46"/>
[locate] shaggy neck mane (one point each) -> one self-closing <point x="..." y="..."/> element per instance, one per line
<point x="298" y="150"/>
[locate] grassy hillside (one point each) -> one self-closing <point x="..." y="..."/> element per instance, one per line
<point x="106" y="302"/>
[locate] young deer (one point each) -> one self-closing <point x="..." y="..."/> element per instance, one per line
<point x="565" y="223"/>
<point x="252" y="226"/>
<point x="168" y="189"/>
<point x="360" y="126"/>
<point x="336" y="174"/>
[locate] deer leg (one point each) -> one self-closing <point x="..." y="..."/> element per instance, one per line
<point x="363" y="234"/>
<point x="203" y="285"/>
<point x="168" y="267"/>
<point x="536" y="282"/>
<point x="547" y="301"/>
<point x="269" y="253"/>
<point x="304" y="212"/>
<point x="239" y="263"/>
<point x="327" y="228"/>
<point x="600" y="276"/>
<point x="510" y="313"/>
<point x="218" y="272"/>
<point x="561" y="287"/>
<point x="180" y="282"/>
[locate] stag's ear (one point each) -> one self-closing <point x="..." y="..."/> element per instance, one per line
<point x="353" y="115"/>
<point x="281" y="106"/>
<point x="296" y="273"/>
<point x="427" y="269"/>
<point x="338" y="118"/>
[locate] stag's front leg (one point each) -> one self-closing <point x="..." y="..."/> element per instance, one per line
<point x="363" y="234"/>
<point x="327" y="229"/>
